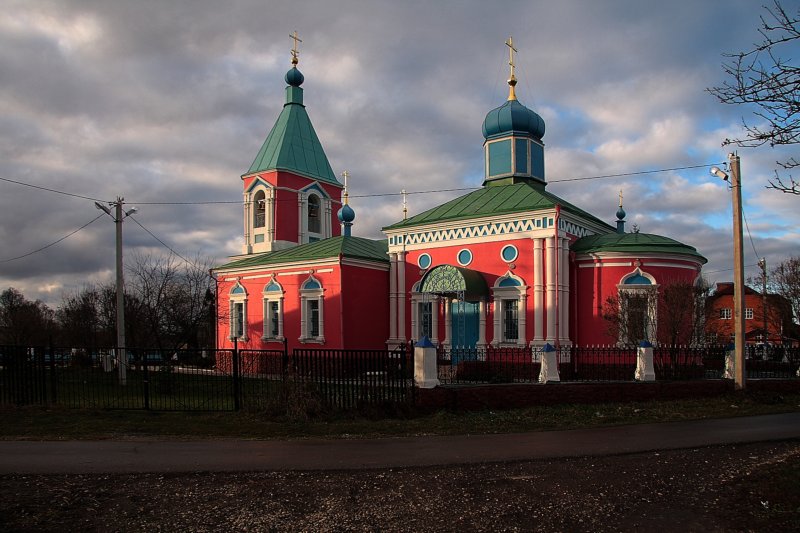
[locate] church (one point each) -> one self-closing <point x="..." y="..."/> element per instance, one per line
<point x="507" y="265"/>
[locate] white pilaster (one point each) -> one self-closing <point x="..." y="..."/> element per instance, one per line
<point x="301" y="219"/>
<point x="482" y="324"/>
<point x="393" y="297"/>
<point x="401" y="296"/>
<point x="247" y="248"/>
<point x="523" y="308"/>
<point x="496" y="334"/>
<point x="435" y="321"/>
<point x="551" y="289"/>
<point x="538" y="291"/>
<point x="447" y="322"/>
<point x="563" y="282"/>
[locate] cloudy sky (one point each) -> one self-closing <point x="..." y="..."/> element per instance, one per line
<point x="169" y="101"/>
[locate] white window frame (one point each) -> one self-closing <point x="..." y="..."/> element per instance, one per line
<point x="748" y="313"/>
<point x="234" y="300"/>
<point x="650" y="291"/>
<point x="725" y="313"/>
<point x="501" y="295"/>
<point x="307" y="296"/>
<point x="325" y="213"/>
<point x="270" y="297"/>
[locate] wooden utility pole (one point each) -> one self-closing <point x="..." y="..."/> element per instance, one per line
<point x="738" y="273"/>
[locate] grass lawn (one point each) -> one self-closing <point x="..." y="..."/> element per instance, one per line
<point x="62" y="424"/>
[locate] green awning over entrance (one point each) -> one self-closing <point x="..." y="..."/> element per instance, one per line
<point x="449" y="279"/>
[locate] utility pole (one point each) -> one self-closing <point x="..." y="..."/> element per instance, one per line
<point x="738" y="272"/>
<point x="118" y="216"/>
<point x="738" y="267"/>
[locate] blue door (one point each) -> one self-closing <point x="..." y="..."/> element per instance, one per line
<point x="464" y="327"/>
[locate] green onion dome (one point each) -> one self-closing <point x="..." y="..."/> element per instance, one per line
<point x="513" y="117"/>
<point x="294" y="77"/>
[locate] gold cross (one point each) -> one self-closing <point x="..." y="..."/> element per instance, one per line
<point x="295" y="53"/>
<point x="346" y="175"/>
<point x="620" y="197"/>
<point x="511" y="50"/>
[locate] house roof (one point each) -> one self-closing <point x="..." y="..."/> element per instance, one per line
<point x="351" y="247"/>
<point x="495" y="200"/>
<point x="292" y="144"/>
<point x="634" y="243"/>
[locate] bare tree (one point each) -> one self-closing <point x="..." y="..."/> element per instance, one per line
<point x="24" y="322"/>
<point x="170" y="299"/>
<point x="785" y="279"/>
<point x="766" y="78"/>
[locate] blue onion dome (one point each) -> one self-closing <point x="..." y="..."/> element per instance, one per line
<point x="346" y="214"/>
<point x="510" y="117"/>
<point x="620" y="213"/>
<point x="294" y="77"/>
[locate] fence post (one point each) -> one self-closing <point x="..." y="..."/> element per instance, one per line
<point x="285" y="359"/>
<point x="549" y="369"/>
<point x="53" y="394"/>
<point x="644" y="362"/>
<point x="145" y="379"/>
<point x="425" y="371"/>
<point x="237" y="401"/>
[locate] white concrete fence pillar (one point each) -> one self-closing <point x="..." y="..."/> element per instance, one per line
<point x="549" y="370"/>
<point x="425" y="371"/>
<point x="645" y="371"/>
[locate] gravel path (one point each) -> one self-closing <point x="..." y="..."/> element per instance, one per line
<point x="749" y="487"/>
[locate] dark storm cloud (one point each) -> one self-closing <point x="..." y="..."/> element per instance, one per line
<point x="170" y="101"/>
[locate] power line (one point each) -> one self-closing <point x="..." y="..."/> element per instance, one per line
<point x="165" y="245"/>
<point x="52" y="190"/>
<point x="375" y="195"/>
<point x="52" y="243"/>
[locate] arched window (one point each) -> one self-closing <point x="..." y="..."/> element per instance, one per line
<point x="638" y="299"/>
<point x="273" y="312"/>
<point x="238" y="312"/>
<point x="509" y="310"/>
<point x="259" y="209"/>
<point x="314" y="215"/>
<point x="312" y="324"/>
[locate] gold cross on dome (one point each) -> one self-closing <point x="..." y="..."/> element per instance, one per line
<point x="295" y="52"/>
<point x="511" y="50"/>
<point x="620" y="197"/>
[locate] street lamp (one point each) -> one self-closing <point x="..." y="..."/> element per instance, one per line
<point x="118" y="216"/>
<point x="735" y="179"/>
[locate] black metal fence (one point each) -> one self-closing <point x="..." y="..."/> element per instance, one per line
<point x="608" y="363"/>
<point x="207" y="380"/>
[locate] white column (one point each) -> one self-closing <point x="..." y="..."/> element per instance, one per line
<point x="538" y="290"/>
<point x="563" y="281"/>
<point x="270" y="215"/>
<point x="248" y="246"/>
<point x="425" y="371"/>
<point x="523" y="303"/>
<point x="280" y="318"/>
<point x="301" y="219"/>
<point x="435" y="321"/>
<point x="447" y="322"/>
<point x="496" y="335"/>
<point x="401" y="296"/>
<point x="415" y="301"/>
<point x="322" y="317"/>
<point x="644" y="363"/>
<point x="551" y="289"/>
<point x="393" y="297"/>
<point x="482" y="323"/>
<point x="303" y="318"/>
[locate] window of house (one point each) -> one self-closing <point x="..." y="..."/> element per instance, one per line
<point x="312" y="325"/>
<point x="425" y="312"/>
<point x="238" y="313"/>
<point x="510" y="320"/>
<point x="638" y="297"/>
<point x="725" y="313"/>
<point x="273" y="311"/>
<point x="509" y="305"/>
<point x="314" y="217"/>
<point x="748" y="313"/>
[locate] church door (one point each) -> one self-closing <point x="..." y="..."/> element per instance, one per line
<point x="464" y="328"/>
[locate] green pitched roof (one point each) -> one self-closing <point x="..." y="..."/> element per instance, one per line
<point x="352" y="247"/>
<point x="495" y="200"/>
<point x="633" y="243"/>
<point x="293" y="145"/>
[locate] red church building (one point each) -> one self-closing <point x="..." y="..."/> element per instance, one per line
<point x="507" y="265"/>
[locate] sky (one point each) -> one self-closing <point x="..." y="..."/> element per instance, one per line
<point x="170" y="101"/>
